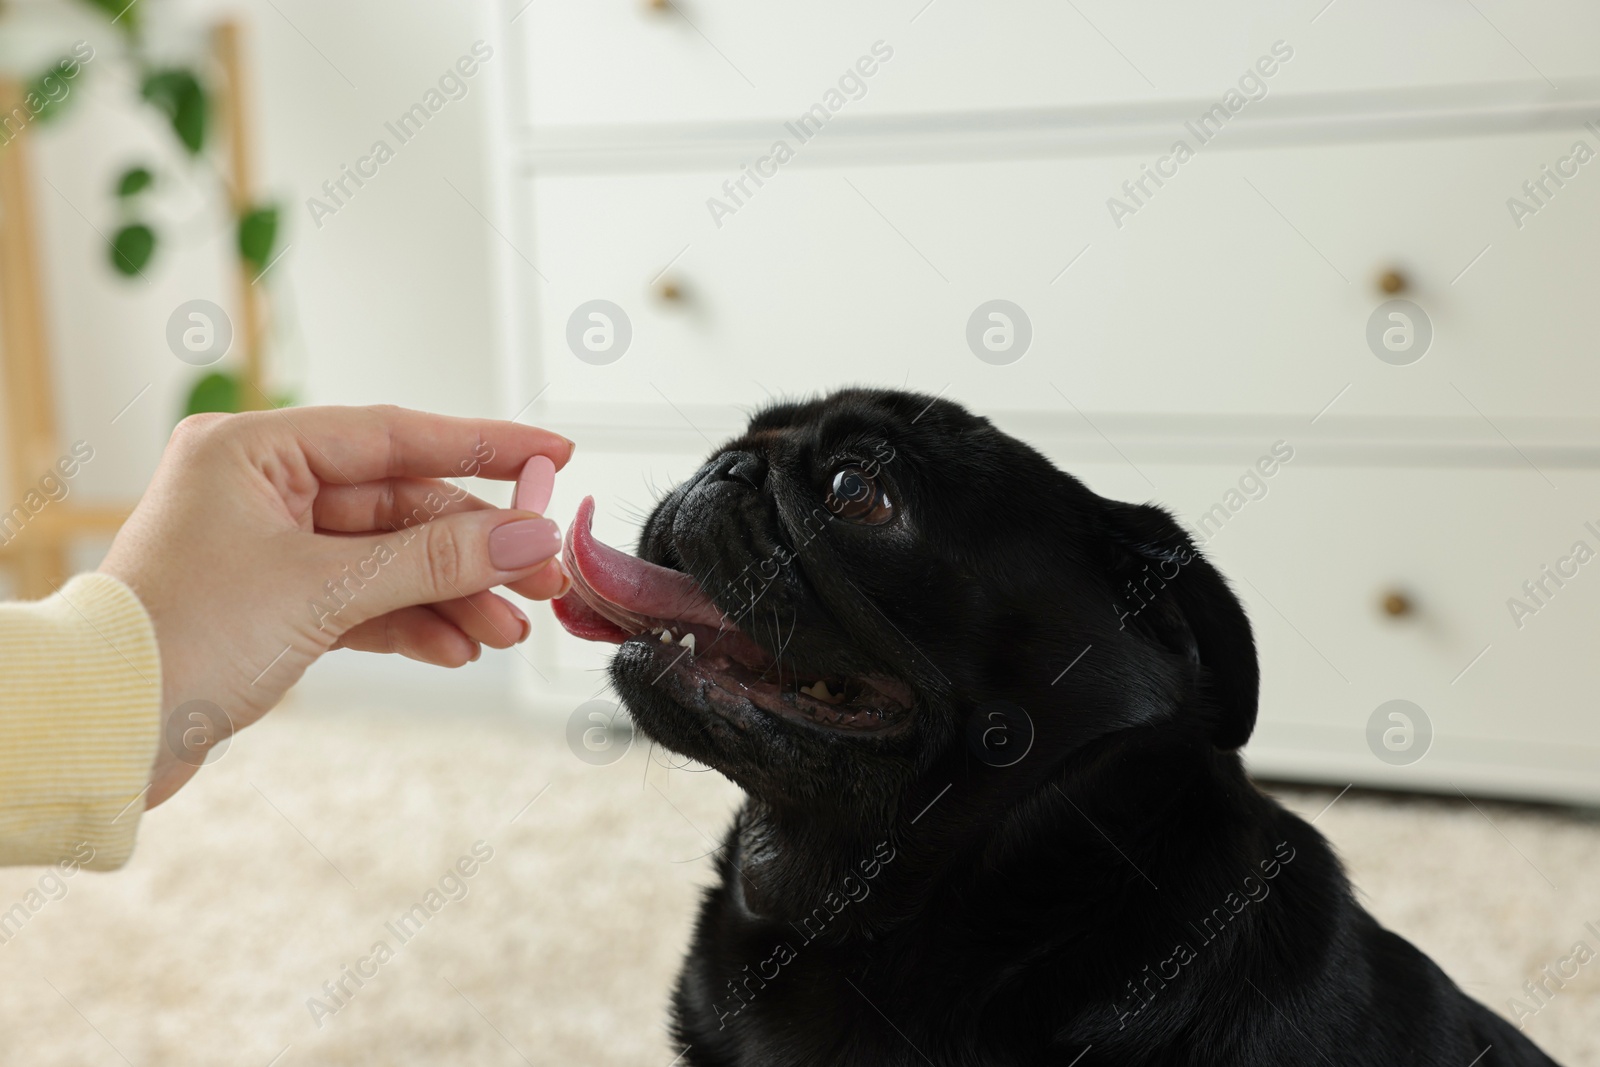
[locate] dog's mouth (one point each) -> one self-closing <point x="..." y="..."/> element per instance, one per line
<point x="711" y="663"/>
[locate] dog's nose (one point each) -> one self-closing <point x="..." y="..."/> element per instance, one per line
<point x="746" y="467"/>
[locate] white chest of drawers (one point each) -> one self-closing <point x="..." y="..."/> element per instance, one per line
<point x="1186" y="314"/>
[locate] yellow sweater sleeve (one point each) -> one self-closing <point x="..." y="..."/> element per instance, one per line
<point x="80" y="698"/>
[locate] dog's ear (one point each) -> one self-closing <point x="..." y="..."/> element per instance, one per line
<point x="1169" y="590"/>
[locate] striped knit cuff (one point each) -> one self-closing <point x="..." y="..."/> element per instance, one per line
<point x="80" y="711"/>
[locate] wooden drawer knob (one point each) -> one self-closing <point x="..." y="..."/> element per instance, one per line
<point x="669" y="290"/>
<point x="1392" y="282"/>
<point x="1397" y="605"/>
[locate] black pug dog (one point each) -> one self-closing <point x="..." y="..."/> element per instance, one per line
<point x="988" y="724"/>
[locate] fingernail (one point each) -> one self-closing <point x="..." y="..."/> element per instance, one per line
<point x="516" y="546"/>
<point x="535" y="484"/>
<point x="566" y="581"/>
<point x="477" y="651"/>
<point x="527" y="627"/>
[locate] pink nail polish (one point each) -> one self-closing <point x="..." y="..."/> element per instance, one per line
<point x="535" y="484"/>
<point x="527" y="626"/>
<point x="516" y="546"/>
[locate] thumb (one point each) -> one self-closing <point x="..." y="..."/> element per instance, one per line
<point x="448" y="557"/>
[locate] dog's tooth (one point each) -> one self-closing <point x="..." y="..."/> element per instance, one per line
<point x="666" y="636"/>
<point x="818" y="691"/>
<point x="687" y="641"/>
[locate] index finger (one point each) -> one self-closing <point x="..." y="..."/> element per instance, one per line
<point x="363" y="444"/>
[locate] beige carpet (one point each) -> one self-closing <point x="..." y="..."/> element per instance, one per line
<point x="284" y="862"/>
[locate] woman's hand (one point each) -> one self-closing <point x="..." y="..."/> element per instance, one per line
<point x="268" y="538"/>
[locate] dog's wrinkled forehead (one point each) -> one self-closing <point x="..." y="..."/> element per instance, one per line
<point x="860" y="412"/>
<point x="805" y="436"/>
<point x="961" y="475"/>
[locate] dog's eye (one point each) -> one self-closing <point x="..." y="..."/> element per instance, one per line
<point x="857" y="497"/>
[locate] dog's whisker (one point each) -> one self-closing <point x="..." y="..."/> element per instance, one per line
<point x="784" y="647"/>
<point x="777" y="640"/>
<point x="703" y="855"/>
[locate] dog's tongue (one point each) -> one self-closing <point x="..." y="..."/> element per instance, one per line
<point x="615" y="595"/>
